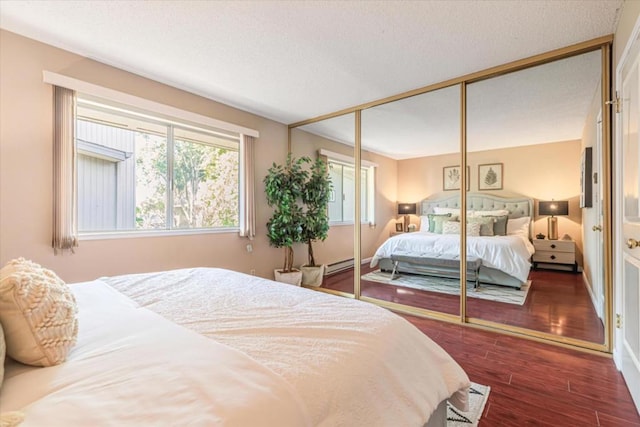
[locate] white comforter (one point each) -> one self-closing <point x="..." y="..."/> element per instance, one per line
<point x="243" y="351"/>
<point x="351" y="363"/>
<point x="509" y="254"/>
<point x="131" y="367"/>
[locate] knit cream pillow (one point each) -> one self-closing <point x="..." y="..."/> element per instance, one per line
<point x="37" y="313"/>
<point x="3" y="352"/>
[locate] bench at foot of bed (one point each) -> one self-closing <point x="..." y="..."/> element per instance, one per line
<point x="438" y="263"/>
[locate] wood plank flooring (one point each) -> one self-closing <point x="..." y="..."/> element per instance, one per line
<point x="532" y="384"/>
<point x="558" y="303"/>
<point x="535" y="384"/>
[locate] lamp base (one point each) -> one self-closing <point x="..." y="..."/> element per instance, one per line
<point x="552" y="228"/>
<point x="406" y="223"/>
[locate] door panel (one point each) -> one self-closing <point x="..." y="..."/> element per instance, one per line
<point x="629" y="307"/>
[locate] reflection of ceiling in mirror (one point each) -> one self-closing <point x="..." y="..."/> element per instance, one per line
<point x="547" y="103"/>
<point x="340" y="129"/>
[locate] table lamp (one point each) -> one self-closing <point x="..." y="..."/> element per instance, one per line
<point x="553" y="208"/>
<point x="406" y="209"/>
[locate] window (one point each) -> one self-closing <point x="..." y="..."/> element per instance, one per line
<point x="341" y="203"/>
<point x="137" y="172"/>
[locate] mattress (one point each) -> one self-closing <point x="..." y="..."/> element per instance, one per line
<point x="201" y="346"/>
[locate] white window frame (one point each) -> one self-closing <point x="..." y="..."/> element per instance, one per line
<point x="166" y="112"/>
<point x="370" y="168"/>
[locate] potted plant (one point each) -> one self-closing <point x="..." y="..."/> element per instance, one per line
<point x="284" y="186"/>
<point x="315" y="196"/>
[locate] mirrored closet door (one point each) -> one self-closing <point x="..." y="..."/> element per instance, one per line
<point x="410" y="152"/>
<point x="506" y="168"/>
<point x="332" y="141"/>
<point x="534" y="149"/>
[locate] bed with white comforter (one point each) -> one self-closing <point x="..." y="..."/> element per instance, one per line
<point x="212" y="347"/>
<point x="505" y="258"/>
<point x="510" y="254"/>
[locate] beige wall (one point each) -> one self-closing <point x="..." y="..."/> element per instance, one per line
<point x="26" y="170"/>
<point x="542" y="172"/>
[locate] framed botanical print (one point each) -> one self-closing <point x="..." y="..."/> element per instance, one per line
<point x="490" y="176"/>
<point x="452" y="176"/>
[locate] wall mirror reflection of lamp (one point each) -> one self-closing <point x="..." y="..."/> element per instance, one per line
<point x="554" y="208"/>
<point x="406" y="209"/>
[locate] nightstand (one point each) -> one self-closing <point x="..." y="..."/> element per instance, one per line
<point x="555" y="254"/>
<point x="395" y="233"/>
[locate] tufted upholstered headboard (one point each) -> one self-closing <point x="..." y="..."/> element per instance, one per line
<point x="518" y="205"/>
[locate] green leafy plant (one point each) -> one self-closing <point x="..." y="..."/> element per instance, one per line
<point x="315" y="196"/>
<point x="284" y="187"/>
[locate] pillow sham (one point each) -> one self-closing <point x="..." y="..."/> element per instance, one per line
<point x="486" y="224"/>
<point x="498" y="212"/>
<point x="38" y="314"/>
<point x="518" y="226"/>
<point x="443" y="211"/>
<point x="435" y="222"/>
<point x="499" y="225"/>
<point x="453" y="227"/>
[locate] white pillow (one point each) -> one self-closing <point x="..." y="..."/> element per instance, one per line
<point x="424" y="223"/>
<point x="453" y="227"/>
<point x="37" y="313"/>
<point x="499" y="212"/>
<point x="518" y="226"/>
<point x="444" y="211"/>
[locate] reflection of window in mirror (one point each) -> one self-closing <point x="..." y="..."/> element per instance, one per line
<point x="342" y="174"/>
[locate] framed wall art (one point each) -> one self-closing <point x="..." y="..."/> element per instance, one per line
<point x="490" y="176"/>
<point x="451" y="177"/>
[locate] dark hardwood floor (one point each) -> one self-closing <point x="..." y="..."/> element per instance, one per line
<point x="535" y="384"/>
<point x="532" y="384"/>
<point x="557" y="303"/>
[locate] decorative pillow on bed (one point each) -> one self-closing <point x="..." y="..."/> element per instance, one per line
<point x="486" y="224"/>
<point x="497" y="212"/>
<point x="3" y="352"/>
<point x="11" y="419"/>
<point x="499" y="225"/>
<point x="443" y="211"/>
<point x="518" y="226"/>
<point x="38" y="314"/>
<point x="435" y="222"/>
<point x="453" y="227"/>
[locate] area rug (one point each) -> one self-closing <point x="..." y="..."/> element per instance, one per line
<point x="452" y="286"/>
<point x="478" y="395"/>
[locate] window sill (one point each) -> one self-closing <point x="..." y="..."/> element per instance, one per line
<point x="153" y="233"/>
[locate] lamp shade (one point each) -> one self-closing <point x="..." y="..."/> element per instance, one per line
<point x="406" y="208"/>
<point x="553" y="207"/>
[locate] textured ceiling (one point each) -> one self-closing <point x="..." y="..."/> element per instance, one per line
<point x="292" y="60"/>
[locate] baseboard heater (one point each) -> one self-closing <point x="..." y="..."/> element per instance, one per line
<point x="343" y="265"/>
<point x="339" y="266"/>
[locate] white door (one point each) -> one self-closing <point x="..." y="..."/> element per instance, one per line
<point x="627" y="344"/>
<point x="598" y="205"/>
